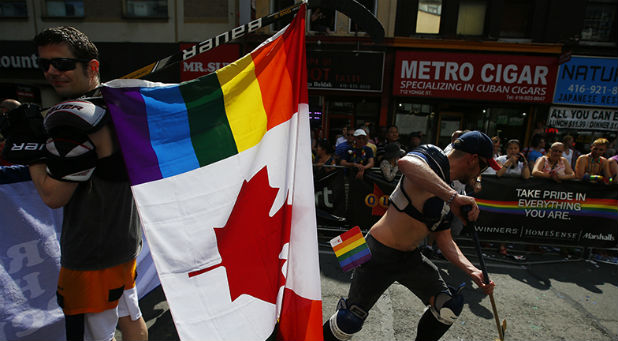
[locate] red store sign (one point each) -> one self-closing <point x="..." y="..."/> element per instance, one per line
<point x="487" y="77"/>
<point x="209" y="61"/>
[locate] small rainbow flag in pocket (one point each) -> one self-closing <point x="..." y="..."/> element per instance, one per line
<point x="351" y="249"/>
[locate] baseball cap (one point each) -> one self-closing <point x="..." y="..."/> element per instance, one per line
<point x="360" y="132"/>
<point x="476" y="142"/>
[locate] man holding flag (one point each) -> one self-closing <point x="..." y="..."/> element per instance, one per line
<point x="81" y="169"/>
<point x="422" y="204"/>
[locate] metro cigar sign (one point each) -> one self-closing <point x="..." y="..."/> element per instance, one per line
<point x="490" y="77"/>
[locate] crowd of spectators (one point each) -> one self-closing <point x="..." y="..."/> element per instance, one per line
<point x="361" y="149"/>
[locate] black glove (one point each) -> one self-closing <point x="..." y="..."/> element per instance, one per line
<point x="25" y="135"/>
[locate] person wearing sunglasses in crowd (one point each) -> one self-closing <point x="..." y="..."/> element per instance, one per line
<point x="553" y="166"/>
<point x="82" y="170"/>
<point x="423" y="203"/>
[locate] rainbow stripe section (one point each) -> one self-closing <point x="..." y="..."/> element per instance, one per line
<point x="601" y="208"/>
<point x="171" y="129"/>
<point x="351" y="249"/>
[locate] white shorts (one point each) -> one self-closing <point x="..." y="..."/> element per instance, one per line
<point x="102" y="326"/>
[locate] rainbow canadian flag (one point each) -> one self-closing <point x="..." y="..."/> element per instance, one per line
<point x="221" y="173"/>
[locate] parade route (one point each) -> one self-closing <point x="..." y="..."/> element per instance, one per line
<point x="573" y="300"/>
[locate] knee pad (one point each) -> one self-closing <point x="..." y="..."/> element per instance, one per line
<point x="440" y="316"/>
<point x="346" y="321"/>
<point x="448" y="305"/>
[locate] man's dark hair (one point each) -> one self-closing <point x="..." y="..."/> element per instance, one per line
<point x="78" y="42"/>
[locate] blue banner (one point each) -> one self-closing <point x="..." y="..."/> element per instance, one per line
<point x="589" y="81"/>
<point x="30" y="257"/>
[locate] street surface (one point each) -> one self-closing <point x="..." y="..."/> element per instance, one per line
<point x="547" y="299"/>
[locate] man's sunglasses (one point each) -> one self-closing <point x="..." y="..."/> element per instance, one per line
<point x="60" y="64"/>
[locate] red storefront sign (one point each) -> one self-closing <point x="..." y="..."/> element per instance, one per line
<point x="208" y="62"/>
<point x="487" y="77"/>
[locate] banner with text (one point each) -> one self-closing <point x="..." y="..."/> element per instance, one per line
<point x="583" y="118"/>
<point x="512" y="210"/>
<point x="591" y="81"/>
<point x="493" y="77"/>
<point x="545" y="212"/>
<point x="345" y="70"/>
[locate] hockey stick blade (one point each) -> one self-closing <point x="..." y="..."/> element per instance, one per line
<point x="351" y="8"/>
<point x="503" y="329"/>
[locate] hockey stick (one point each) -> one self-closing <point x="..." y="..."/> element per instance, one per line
<point x="477" y="244"/>
<point x="351" y="8"/>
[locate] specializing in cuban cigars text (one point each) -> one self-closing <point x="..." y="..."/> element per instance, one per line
<point x="515" y="81"/>
<point x="549" y="204"/>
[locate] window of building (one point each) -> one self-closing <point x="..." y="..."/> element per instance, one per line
<point x="67" y="8"/>
<point x="516" y="19"/>
<point x="471" y="17"/>
<point x="372" y="6"/>
<point x="146" y="8"/>
<point x="13" y="9"/>
<point x="599" y="20"/>
<point x="105" y="10"/>
<point x="322" y="20"/>
<point x="199" y="9"/>
<point x="428" y="17"/>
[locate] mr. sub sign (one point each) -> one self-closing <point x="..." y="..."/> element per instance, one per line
<point x="506" y="78"/>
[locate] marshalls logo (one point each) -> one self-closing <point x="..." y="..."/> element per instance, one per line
<point x="600" y="236"/>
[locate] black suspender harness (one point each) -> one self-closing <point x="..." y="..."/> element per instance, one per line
<point x="436" y="214"/>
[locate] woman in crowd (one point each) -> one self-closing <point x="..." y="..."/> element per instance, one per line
<point x="553" y="166"/>
<point x="513" y="163"/>
<point x="389" y="168"/>
<point x="324" y="157"/>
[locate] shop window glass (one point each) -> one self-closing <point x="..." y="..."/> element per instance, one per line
<point x="322" y="20"/>
<point x="516" y="19"/>
<point x="471" y="17"/>
<point x="146" y="8"/>
<point x="428" y="17"/>
<point x="598" y="20"/>
<point x="64" y="8"/>
<point x="371" y="5"/>
<point x="13" y="9"/>
<point x="411" y="117"/>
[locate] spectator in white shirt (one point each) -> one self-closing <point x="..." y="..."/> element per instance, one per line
<point x="513" y="163"/>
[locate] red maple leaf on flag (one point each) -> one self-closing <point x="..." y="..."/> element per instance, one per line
<point x="251" y="241"/>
